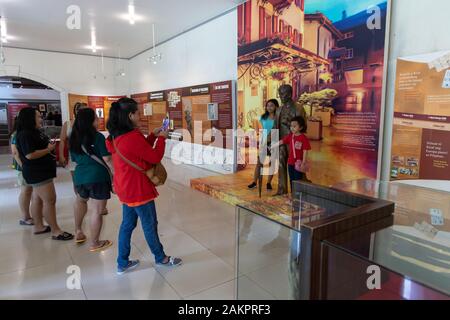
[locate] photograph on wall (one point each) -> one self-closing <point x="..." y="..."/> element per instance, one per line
<point x="332" y="55"/>
<point x="421" y="132"/>
<point x="99" y="112"/>
<point x="148" y="109"/>
<point x="213" y="111"/>
<point x="42" y="108"/>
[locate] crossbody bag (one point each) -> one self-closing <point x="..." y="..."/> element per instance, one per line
<point x="101" y="162"/>
<point x="157" y="174"/>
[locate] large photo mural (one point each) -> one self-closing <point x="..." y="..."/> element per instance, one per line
<point x="332" y="54"/>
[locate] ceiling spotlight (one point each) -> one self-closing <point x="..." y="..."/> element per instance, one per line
<point x="3" y="32"/>
<point x="156" y="57"/>
<point x="132" y="13"/>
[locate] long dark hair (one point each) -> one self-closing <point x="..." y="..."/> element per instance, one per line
<point x="119" y="121"/>
<point x="266" y="114"/>
<point x="26" y="120"/>
<point x="77" y="107"/>
<point x="14" y="127"/>
<point x="83" y="131"/>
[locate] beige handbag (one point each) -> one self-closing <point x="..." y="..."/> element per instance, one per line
<point x="157" y="174"/>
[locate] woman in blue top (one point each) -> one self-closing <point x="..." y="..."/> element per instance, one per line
<point x="92" y="176"/>
<point x="268" y="123"/>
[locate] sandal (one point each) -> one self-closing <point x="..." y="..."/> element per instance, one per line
<point x="171" y="262"/>
<point x="105" y="212"/>
<point x="104" y="244"/>
<point x="63" y="236"/>
<point x="46" y="230"/>
<point x="81" y="239"/>
<point x="28" y="222"/>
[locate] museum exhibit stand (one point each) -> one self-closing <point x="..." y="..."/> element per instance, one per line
<point x="358" y="240"/>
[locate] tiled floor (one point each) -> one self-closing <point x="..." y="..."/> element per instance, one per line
<point x="192" y="225"/>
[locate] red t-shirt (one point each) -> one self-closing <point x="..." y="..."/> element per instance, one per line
<point x="299" y="143"/>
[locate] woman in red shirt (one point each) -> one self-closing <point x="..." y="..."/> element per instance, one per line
<point x="134" y="189"/>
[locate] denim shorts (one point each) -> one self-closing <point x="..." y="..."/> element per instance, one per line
<point x="95" y="191"/>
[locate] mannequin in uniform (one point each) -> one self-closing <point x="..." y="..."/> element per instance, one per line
<point x="288" y="110"/>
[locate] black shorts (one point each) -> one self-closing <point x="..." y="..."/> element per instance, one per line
<point x="96" y="191"/>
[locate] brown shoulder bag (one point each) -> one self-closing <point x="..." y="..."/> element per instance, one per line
<point x="157" y="174"/>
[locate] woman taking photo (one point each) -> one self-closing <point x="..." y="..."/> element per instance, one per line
<point x="39" y="170"/>
<point x="91" y="178"/>
<point x="267" y="122"/>
<point x="134" y="189"/>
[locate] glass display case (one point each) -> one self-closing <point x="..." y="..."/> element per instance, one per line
<point x="413" y="253"/>
<point x="279" y="239"/>
<point x="326" y="242"/>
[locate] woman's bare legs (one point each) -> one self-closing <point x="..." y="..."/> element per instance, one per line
<point x="80" y="210"/>
<point x="24" y="202"/>
<point x="97" y="222"/>
<point x="47" y="194"/>
<point x="36" y="212"/>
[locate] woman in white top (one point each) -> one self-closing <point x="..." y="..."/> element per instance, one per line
<point x="66" y="131"/>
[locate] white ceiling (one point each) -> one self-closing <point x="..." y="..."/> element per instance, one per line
<point x="41" y="24"/>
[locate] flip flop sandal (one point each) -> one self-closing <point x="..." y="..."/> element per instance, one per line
<point x="81" y="240"/>
<point x="104" y="245"/>
<point x="46" y="230"/>
<point x="26" y="222"/>
<point x="63" y="236"/>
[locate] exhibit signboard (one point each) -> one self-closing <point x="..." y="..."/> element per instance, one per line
<point x="200" y="119"/>
<point x="421" y="132"/>
<point x="332" y="53"/>
<point x="100" y="104"/>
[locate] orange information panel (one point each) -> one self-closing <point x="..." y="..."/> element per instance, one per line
<point x="421" y="134"/>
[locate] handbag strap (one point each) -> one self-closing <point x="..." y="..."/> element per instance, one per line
<point x="98" y="160"/>
<point x="132" y="164"/>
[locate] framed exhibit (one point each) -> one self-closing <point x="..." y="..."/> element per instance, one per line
<point x="421" y="126"/>
<point x="333" y="54"/>
<point x="213" y="111"/>
<point x="100" y="113"/>
<point x="148" y="109"/>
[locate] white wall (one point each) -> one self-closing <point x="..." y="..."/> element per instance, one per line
<point x="204" y="55"/>
<point x="29" y="94"/>
<point x="417" y="27"/>
<point x="67" y="73"/>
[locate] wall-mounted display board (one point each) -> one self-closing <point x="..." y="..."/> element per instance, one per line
<point x="210" y="105"/>
<point x="100" y="104"/>
<point x="421" y="133"/>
